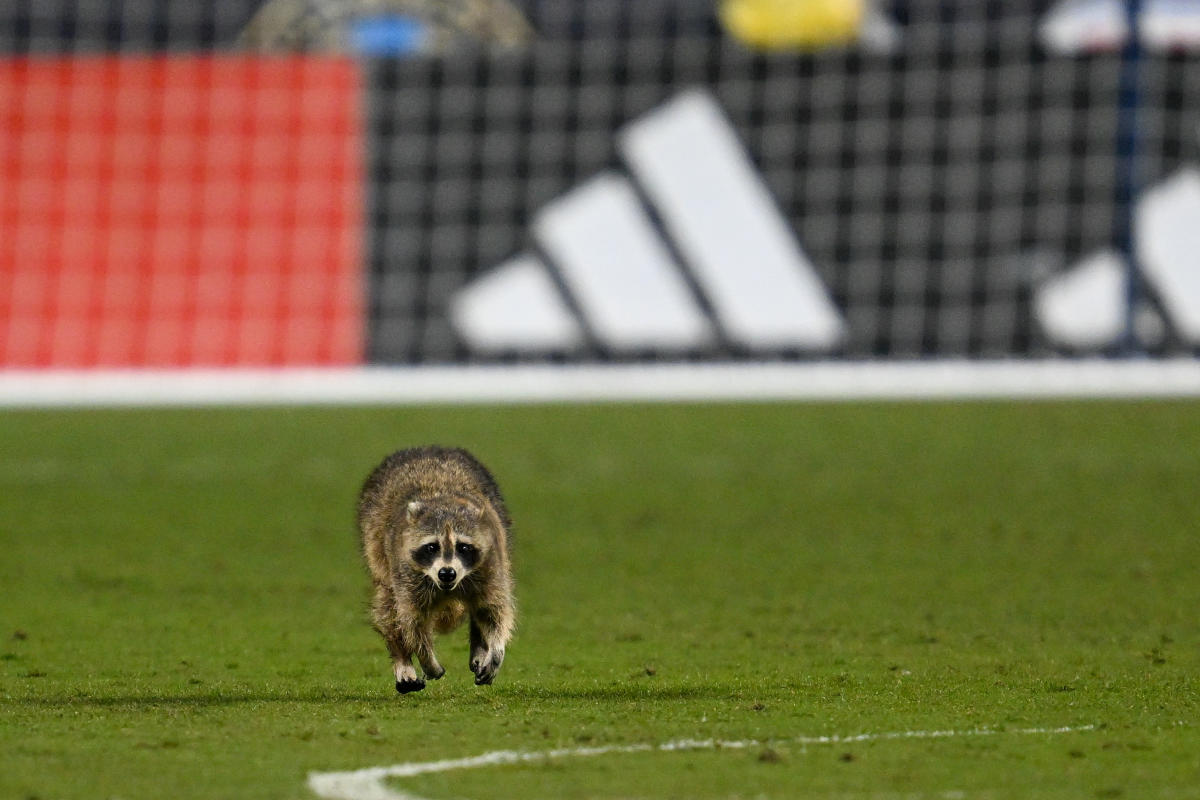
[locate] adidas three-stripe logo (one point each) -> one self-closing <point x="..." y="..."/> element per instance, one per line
<point x="641" y="283"/>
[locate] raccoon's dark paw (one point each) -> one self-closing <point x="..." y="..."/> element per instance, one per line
<point x="410" y="685"/>
<point x="485" y="666"/>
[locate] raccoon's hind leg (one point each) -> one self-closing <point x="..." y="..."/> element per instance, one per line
<point x="444" y="621"/>
<point x="491" y="628"/>
<point x="429" y="662"/>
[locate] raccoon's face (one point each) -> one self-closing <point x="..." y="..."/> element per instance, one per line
<point x="446" y="539"/>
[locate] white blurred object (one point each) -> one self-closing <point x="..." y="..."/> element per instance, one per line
<point x="516" y="306"/>
<point x="1168" y="235"/>
<point x="1084" y="307"/>
<point x="878" y="33"/>
<point x="1086" y="26"/>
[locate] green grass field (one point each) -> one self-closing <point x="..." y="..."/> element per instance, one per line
<point x="183" y="607"/>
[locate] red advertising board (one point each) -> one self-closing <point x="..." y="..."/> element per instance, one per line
<point x="175" y="211"/>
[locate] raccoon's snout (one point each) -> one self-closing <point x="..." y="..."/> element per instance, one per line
<point x="446" y="576"/>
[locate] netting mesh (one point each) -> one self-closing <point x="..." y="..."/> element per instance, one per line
<point x="933" y="183"/>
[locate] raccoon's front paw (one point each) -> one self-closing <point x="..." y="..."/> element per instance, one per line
<point x="485" y="665"/>
<point x="407" y="680"/>
<point x="410" y="685"/>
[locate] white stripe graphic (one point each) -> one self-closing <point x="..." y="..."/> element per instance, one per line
<point x="370" y="783"/>
<point x="719" y="212"/>
<point x="515" y="306"/>
<point x="618" y="269"/>
<point x="1084" y="306"/>
<point x="1168" y="236"/>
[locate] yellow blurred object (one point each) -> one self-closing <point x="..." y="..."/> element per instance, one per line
<point x="792" y="24"/>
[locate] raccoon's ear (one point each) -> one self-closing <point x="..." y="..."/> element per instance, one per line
<point x="415" y="507"/>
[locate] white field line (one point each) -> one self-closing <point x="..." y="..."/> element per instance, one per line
<point x="545" y="383"/>
<point x="371" y="783"/>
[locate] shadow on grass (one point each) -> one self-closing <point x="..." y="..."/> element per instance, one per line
<point x="194" y="700"/>
<point x="639" y="692"/>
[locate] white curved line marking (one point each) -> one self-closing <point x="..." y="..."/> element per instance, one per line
<point x="369" y="784"/>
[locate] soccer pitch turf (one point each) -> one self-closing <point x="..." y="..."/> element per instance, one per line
<point x="716" y="601"/>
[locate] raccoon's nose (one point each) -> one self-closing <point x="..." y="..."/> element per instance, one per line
<point x="447" y="575"/>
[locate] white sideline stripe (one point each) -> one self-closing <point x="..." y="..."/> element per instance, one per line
<point x="544" y="383"/>
<point x="369" y="783"/>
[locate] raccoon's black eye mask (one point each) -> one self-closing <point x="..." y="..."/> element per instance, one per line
<point x="467" y="553"/>
<point x="426" y="553"/>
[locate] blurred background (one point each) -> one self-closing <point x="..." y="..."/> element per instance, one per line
<point x="400" y="182"/>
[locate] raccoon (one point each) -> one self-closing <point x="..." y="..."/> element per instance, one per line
<point x="435" y="537"/>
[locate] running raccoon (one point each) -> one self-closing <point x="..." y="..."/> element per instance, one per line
<point x="435" y="536"/>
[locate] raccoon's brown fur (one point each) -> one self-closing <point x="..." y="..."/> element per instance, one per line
<point x="435" y="536"/>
